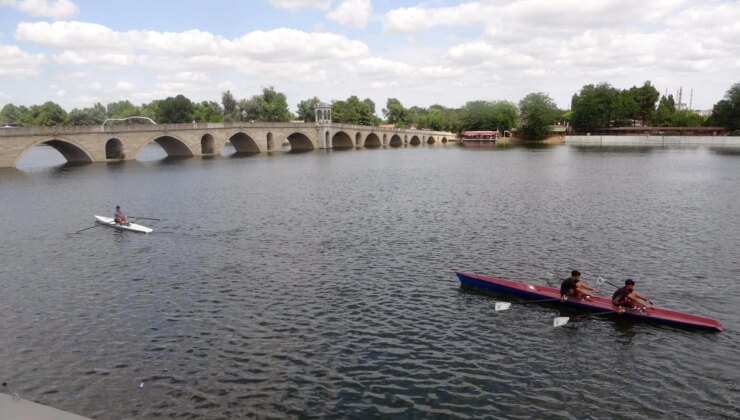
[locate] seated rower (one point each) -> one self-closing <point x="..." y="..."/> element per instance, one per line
<point x="119" y="218"/>
<point x="627" y="297"/>
<point x="574" y="287"/>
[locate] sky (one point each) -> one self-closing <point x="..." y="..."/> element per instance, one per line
<point x="79" y="52"/>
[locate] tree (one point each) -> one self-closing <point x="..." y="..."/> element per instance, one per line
<point x="354" y="111"/>
<point x="48" y="114"/>
<point x="121" y="109"/>
<point x="686" y="118"/>
<point x="726" y="112"/>
<point x="626" y="109"/>
<point x="273" y="106"/>
<point x="248" y="109"/>
<point x="539" y="111"/>
<point x="12" y="114"/>
<point x="207" y="111"/>
<point x="87" y="116"/>
<point x="486" y="115"/>
<point x="395" y="113"/>
<point x="151" y="110"/>
<point x="175" y="110"/>
<point x="593" y="107"/>
<point x="230" y="107"/>
<point x="665" y="111"/>
<point x="307" y="109"/>
<point x="646" y="96"/>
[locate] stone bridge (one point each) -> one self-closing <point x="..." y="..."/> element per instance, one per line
<point x="85" y="144"/>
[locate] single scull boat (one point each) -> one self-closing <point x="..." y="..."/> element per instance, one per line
<point x="597" y="304"/>
<point x="108" y="221"/>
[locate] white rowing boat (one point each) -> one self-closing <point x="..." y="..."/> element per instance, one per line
<point x="108" y="221"/>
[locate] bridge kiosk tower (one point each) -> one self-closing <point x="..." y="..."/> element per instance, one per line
<point x="323" y="124"/>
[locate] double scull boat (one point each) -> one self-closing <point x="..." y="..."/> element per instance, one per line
<point x="596" y="304"/>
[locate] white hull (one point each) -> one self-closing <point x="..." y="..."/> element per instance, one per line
<point x="108" y="221"/>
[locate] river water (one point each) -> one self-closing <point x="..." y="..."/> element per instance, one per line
<point x="323" y="284"/>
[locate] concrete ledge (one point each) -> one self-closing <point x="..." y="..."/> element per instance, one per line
<point x="663" y="141"/>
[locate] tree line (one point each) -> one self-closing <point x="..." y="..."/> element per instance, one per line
<point x="594" y="106"/>
<point x="601" y="105"/>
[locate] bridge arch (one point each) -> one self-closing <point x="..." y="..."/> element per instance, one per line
<point x="341" y="140"/>
<point x="396" y="141"/>
<point x="415" y="141"/>
<point x="300" y="142"/>
<point x="173" y="146"/>
<point x="70" y="150"/>
<point x="444" y="140"/>
<point x="244" y="143"/>
<point x="430" y="140"/>
<point x="207" y="145"/>
<point x="372" y="140"/>
<point x="114" y="149"/>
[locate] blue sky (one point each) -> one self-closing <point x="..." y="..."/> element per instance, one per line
<point x="78" y="52"/>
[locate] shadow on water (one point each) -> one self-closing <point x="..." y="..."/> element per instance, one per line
<point x="242" y="155"/>
<point x="725" y="151"/>
<point x="629" y="150"/>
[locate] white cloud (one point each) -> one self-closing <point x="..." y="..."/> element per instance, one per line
<point x="352" y="13"/>
<point x="55" y="9"/>
<point x="283" y="45"/>
<point x="441" y="72"/>
<point x="61" y="92"/>
<point x="81" y="41"/>
<point x="192" y="77"/>
<point x="72" y="35"/>
<point x="18" y="63"/>
<point x="86" y="100"/>
<point x="124" y="87"/>
<point x="296" y="5"/>
<point x="106" y="60"/>
<point x="380" y="67"/>
<point x="419" y="18"/>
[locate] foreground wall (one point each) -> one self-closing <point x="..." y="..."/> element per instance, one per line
<point x="714" y="141"/>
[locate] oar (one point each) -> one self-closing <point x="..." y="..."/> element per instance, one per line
<point x="502" y="306"/>
<point x="601" y="280"/>
<point x="91" y="227"/>
<point x="550" y="275"/>
<point x="143" y="218"/>
<point x="562" y="320"/>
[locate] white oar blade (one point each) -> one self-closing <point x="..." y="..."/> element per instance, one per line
<point x="560" y="321"/>
<point x="502" y="306"/>
<point x="600" y="280"/>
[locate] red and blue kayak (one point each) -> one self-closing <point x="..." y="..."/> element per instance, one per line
<point x="596" y="304"/>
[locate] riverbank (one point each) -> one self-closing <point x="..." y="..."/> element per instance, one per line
<point x="551" y="140"/>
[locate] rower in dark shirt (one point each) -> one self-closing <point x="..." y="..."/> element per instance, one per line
<point x="574" y="287"/>
<point x="628" y="297"/>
